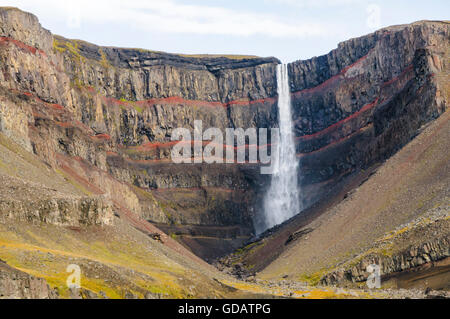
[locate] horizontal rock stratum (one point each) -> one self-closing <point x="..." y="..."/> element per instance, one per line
<point x="85" y="131"/>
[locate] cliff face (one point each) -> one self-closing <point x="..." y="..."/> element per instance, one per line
<point x="363" y="101"/>
<point x="15" y="284"/>
<point x="103" y="116"/>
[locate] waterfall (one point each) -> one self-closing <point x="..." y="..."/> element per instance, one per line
<point x="282" y="200"/>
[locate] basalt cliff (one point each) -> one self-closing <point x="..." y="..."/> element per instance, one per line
<point x="85" y="133"/>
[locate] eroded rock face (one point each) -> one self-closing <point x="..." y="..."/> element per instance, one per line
<point x="428" y="248"/>
<point x="134" y="74"/>
<point x="417" y="256"/>
<point x="24" y="28"/>
<point x="26" y="201"/>
<point x="15" y="284"/>
<point x="63" y="212"/>
<point x="363" y="101"/>
<point x="105" y="116"/>
<point x="100" y="115"/>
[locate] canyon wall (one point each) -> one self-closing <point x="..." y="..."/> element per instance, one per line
<point x="104" y="116"/>
<point x="357" y="105"/>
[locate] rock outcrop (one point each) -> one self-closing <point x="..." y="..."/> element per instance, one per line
<point x="420" y="244"/>
<point x="363" y="101"/>
<point x="104" y="117"/>
<point x="15" y="284"/>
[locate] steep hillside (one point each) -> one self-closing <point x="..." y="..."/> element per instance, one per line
<point x="48" y="222"/>
<point x="105" y="115"/>
<point x="398" y="218"/>
<point x="85" y="140"/>
<point x="363" y="101"/>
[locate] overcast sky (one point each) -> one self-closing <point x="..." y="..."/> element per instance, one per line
<point x="287" y="29"/>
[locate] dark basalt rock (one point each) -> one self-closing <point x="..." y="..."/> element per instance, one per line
<point x="108" y="113"/>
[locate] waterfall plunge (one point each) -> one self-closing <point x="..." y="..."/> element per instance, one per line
<point x="282" y="200"/>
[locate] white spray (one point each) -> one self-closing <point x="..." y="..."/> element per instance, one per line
<point x="282" y="200"/>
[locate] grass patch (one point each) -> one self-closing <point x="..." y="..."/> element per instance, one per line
<point x="118" y="255"/>
<point x="228" y="56"/>
<point x="74" y="183"/>
<point x="314" y="278"/>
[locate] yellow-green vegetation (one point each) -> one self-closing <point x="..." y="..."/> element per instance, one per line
<point x="143" y="193"/>
<point x="314" y="278"/>
<point x="72" y="47"/>
<point x="386" y="246"/>
<point x="62" y="45"/>
<point x="138" y="108"/>
<point x="328" y="294"/>
<point x="148" y="195"/>
<point x="253" y="288"/>
<point x="73" y="182"/>
<point x="228" y="56"/>
<point x="246" y="252"/>
<point x="112" y="262"/>
<point x="104" y="60"/>
<point x="132" y="104"/>
<point x="247" y="248"/>
<point x="165" y="207"/>
<point x="17" y="149"/>
<point x="305" y="293"/>
<point x="68" y="45"/>
<point x="115" y="260"/>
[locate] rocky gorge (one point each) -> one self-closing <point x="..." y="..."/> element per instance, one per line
<point x="102" y="119"/>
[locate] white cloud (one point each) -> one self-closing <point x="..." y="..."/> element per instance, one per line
<point x="317" y="3"/>
<point x="172" y="17"/>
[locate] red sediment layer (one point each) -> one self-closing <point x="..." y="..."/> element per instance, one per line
<point x="407" y="69"/>
<point x="90" y="89"/>
<point x="102" y="136"/>
<point x="54" y="106"/>
<point x="21" y="45"/>
<point x="162" y="190"/>
<point x="356" y="114"/>
<point x="140" y="224"/>
<point x="299" y="155"/>
<point x="57" y="107"/>
<point x="248" y="102"/>
<point x="345" y="70"/>
<point x="175" y="100"/>
<point x="365" y="108"/>
<point x="151" y="146"/>
<point x="83" y="126"/>
<point x="71" y="172"/>
<point x="64" y="124"/>
<point x="178" y="100"/>
<point x="329" y="129"/>
<point x="110" y="153"/>
<point x="319" y="87"/>
<point x="332" y="80"/>
<point x="170" y="161"/>
<point x="196" y="189"/>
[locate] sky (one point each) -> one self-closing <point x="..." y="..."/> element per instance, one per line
<point x="287" y="29"/>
